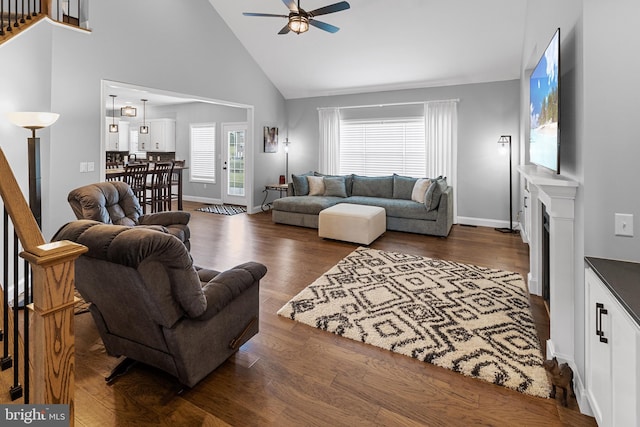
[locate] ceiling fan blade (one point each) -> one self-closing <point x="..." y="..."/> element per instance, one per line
<point x="285" y="30"/>
<point x="337" y="7"/>
<point x="291" y="4"/>
<point x="324" y="26"/>
<point x="264" y="14"/>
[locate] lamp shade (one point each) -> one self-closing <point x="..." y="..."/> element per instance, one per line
<point x="32" y="119"/>
<point x="504" y="139"/>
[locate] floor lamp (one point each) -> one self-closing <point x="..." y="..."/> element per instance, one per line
<point x="33" y="121"/>
<point x="286" y="160"/>
<point x="506" y="139"/>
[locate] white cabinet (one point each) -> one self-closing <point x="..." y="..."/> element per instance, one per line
<point x="117" y="141"/>
<point x="612" y="356"/>
<point x="161" y="136"/>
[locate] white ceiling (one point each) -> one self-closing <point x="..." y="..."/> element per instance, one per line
<point x="383" y="44"/>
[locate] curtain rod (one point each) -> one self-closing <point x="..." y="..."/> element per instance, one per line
<point x="389" y="104"/>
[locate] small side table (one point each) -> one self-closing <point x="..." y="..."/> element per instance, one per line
<point x="282" y="188"/>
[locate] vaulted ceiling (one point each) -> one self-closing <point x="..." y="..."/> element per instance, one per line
<point x="383" y="44"/>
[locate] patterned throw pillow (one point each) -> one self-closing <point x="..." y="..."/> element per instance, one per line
<point x="420" y="189"/>
<point x="316" y="185"/>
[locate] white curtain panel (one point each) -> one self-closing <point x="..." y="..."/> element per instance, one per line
<point x="441" y="135"/>
<point x="329" y="155"/>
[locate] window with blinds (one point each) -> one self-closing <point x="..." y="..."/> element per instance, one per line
<point x="202" y="166"/>
<point x="383" y="147"/>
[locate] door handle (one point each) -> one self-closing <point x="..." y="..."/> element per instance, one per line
<point x="600" y="310"/>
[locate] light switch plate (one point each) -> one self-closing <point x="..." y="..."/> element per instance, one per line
<point x="624" y="225"/>
<point x="83" y="167"/>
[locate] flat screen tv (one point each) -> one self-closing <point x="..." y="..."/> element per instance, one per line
<point x="544" y="137"/>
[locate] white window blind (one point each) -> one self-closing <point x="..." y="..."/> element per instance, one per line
<point x="383" y="147"/>
<point x="203" y="153"/>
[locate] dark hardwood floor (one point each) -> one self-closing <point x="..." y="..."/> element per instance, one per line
<point x="294" y="375"/>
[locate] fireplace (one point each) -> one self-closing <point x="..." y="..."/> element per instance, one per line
<point x="550" y="227"/>
<point x="544" y="260"/>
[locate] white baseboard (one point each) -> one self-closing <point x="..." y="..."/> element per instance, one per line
<point x="202" y="200"/>
<point x="484" y="222"/>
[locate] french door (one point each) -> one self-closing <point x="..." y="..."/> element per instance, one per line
<point x="234" y="174"/>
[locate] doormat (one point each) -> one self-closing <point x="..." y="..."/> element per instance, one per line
<point x="472" y="320"/>
<point x="223" y="209"/>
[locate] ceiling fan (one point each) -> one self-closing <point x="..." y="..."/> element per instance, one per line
<point x="300" y="19"/>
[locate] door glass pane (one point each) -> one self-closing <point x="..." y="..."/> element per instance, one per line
<point x="235" y="171"/>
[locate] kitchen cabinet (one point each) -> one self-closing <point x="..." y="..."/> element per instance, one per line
<point x="161" y="136"/>
<point x="117" y="141"/>
<point x="612" y="342"/>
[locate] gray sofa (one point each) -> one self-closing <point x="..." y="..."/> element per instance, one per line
<point x="394" y="193"/>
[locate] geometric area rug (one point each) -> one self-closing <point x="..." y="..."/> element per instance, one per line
<point x="473" y="320"/>
<point x="223" y="209"/>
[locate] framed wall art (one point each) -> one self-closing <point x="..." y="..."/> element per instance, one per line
<point x="270" y="139"/>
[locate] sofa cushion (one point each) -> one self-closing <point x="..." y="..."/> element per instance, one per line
<point x="334" y="186"/>
<point x="398" y="208"/>
<point x="311" y="205"/>
<point x="420" y="190"/>
<point x="432" y="198"/>
<point x="403" y="186"/>
<point x="316" y="185"/>
<point x="300" y="184"/>
<point x="348" y="180"/>
<point x="379" y="186"/>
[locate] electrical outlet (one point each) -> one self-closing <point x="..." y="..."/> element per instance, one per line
<point x="624" y="225"/>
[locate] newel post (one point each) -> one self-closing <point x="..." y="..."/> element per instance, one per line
<point x="52" y="337"/>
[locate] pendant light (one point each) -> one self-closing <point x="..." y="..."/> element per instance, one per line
<point x="128" y="111"/>
<point x="144" y="128"/>
<point x="113" y="127"/>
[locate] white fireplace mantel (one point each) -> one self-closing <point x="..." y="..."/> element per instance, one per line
<point x="557" y="193"/>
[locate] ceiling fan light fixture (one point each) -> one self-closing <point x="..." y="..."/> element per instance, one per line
<point x="298" y="24"/>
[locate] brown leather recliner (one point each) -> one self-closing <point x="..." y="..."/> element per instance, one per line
<point x="114" y="203"/>
<point x="152" y="305"/>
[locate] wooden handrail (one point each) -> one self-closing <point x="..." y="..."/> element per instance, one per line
<point x="53" y="266"/>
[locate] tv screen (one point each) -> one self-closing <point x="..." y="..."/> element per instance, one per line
<point x="544" y="137"/>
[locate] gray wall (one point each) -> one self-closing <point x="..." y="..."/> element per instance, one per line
<point x="199" y="112"/>
<point x="485" y="112"/>
<point x="599" y="92"/>
<point x="66" y="67"/>
<point x="540" y="27"/>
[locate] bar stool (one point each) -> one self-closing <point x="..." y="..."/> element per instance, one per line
<point x="136" y="176"/>
<point x="159" y="187"/>
<point x="175" y="180"/>
<point x="113" y="165"/>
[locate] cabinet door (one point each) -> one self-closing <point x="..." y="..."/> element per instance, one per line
<point x="598" y="356"/>
<point x="624" y="362"/>
<point x="612" y="343"/>
<point x="123" y="136"/>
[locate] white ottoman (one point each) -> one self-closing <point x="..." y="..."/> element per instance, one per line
<point x="352" y="223"/>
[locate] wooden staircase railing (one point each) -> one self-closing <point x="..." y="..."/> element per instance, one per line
<point x="18" y="15"/>
<point x="51" y="328"/>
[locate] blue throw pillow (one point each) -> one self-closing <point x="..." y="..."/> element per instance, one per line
<point x="300" y="184"/>
<point x="403" y="186"/>
<point x="334" y="186"/>
<point x="432" y="198"/>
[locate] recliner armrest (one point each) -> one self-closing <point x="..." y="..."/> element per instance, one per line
<point x="228" y="285"/>
<point x="165" y="218"/>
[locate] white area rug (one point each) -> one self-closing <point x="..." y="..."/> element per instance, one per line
<point x="470" y="319"/>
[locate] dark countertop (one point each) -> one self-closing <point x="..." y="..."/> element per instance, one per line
<point x="623" y="280"/>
